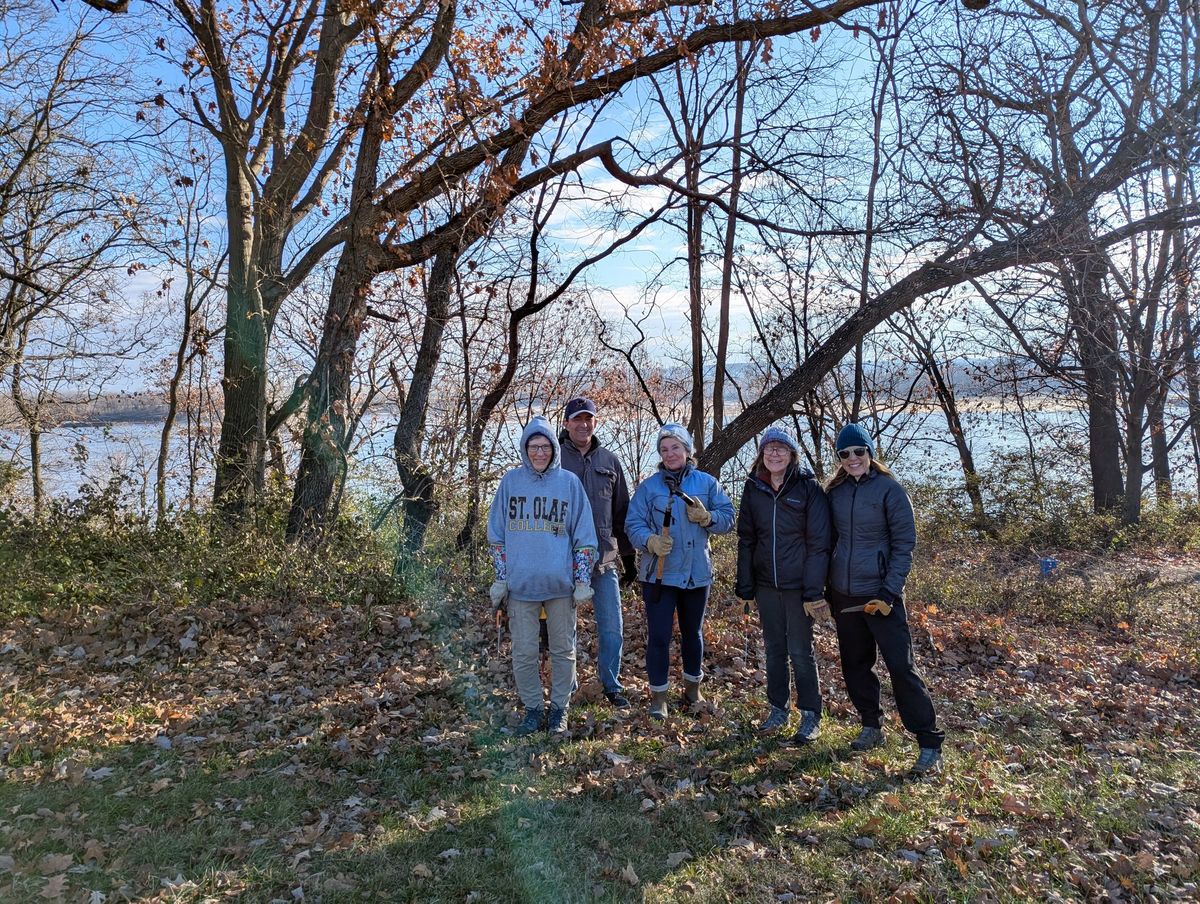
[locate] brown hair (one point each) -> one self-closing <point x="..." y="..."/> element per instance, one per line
<point x="840" y="475"/>
<point x="759" y="468"/>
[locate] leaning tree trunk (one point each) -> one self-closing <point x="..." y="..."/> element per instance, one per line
<point x="419" y="502"/>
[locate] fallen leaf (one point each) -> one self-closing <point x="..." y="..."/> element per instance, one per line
<point x="628" y="874"/>
<point x="421" y="871"/>
<point x="55" y="887"/>
<point x="673" y="860"/>
<point x="55" y="863"/>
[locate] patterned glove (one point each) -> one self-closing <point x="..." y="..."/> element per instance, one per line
<point x="818" y="611"/>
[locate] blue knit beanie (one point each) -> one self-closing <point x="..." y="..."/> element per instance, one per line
<point x="779" y="435"/>
<point x="854" y="435"/>
<point x="676" y="431"/>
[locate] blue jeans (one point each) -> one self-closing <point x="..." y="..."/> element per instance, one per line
<point x="610" y="627"/>
<point x="662" y="602"/>
<point x="788" y="634"/>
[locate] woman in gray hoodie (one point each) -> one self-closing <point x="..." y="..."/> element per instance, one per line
<point x="543" y="545"/>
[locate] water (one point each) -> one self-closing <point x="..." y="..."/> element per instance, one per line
<point x="79" y="456"/>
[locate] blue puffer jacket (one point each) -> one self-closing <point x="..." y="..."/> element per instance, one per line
<point x="689" y="563"/>
<point x="876" y="535"/>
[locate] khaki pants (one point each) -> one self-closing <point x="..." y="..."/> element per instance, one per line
<point x="523" y="626"/>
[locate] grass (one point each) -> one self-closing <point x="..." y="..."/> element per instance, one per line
<point x="313" y="743"/>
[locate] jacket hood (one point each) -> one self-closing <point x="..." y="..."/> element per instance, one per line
<point x="539" y="425"/>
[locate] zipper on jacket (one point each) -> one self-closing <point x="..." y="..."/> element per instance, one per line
<point x="850" y="549"/>
<point x="774" y="538"/>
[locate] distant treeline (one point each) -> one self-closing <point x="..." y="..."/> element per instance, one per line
<point x="99" y="410"/>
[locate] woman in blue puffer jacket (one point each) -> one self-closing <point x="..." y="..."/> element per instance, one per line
<point x="671" y="515"/>
<point x="875" y="535"/>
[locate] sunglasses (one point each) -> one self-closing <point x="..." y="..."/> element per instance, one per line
<point x="857" y="451"/>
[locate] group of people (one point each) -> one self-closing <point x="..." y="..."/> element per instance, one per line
<point x="563" y="529"/>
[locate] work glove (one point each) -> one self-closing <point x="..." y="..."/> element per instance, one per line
<point x="660" y="546"/>
<point x="818" y="611"/>
<point x="697" y="513"/>
<point x="583" y="593"/>
<point x="877" y="607"/>
<point x="499" y="593"/>
<point x="743" y="593"/>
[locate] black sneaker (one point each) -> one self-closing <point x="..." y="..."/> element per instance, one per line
<point x="531" y="723"/>
<point x="556" y="724"/>
<point x="867" y="738"/>
<point x="617" y="699"/>
<point x="810" y="727"/>
<point x="929" y="762"/>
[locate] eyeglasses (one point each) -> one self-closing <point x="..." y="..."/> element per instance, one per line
<point x="857" y="451"/>
<point x="776" y="450"/>
<point x="539" y="449"/>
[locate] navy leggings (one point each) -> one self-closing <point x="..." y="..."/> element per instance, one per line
<point x="662" y="602"/>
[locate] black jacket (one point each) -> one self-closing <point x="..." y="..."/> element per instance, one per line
<point x="783" y="538"/>
<point x="606" y="489"/>
<point x="876" y="534"/>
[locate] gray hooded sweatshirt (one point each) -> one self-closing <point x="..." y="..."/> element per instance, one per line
<point x="540" y="526"/>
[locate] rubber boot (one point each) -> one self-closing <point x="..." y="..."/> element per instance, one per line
<point x="691" y="692"/>
<point x="658" y="705"/>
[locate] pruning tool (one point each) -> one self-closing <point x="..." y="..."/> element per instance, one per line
<point x="875" y="607"/>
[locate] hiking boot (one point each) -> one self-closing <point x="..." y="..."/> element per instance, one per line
<point x="691" y="692"/>
<point x="556" y="724"/>
<point x="617" y="699"/>
<point x="658" y="705"/>
<point x="867" y="738"/>
<point x="776" y="719"/>
<point x="531" y="723"/>
<point x="810" y="727"/>
<point x="929" y="761"/>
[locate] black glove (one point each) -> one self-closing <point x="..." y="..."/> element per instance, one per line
<point x="743" y="593"/>
<point x="629" y="572"/>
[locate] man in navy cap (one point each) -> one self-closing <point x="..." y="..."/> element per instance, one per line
<point x="604" y="483"/>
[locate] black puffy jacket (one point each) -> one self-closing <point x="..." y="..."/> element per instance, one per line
<point x="783" y="537"/>
<point x="876" y="534"/>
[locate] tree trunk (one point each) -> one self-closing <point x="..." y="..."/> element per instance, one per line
<point x="695" y="247"/>
<point x="1091" y="317"/>
<point x="742" y="58"/>
<point x="419" y="502"/>
<point x="1159" y="453"/>
<point x="323" y="443"/>
<point x="239" y="476"/>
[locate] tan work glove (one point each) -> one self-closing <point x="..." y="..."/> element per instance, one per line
<point x="818" y="611"/>
<point x="583" y="593"/>
<point x="877" y="607"/>
<point x="660" y="546"/>
<point x="697" y="513"/>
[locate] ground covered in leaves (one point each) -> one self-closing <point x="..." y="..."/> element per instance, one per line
<point x="295" y="746"/>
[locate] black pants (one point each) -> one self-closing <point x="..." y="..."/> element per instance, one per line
<point x="788" y="635"/>
<point x="860" y="637"/>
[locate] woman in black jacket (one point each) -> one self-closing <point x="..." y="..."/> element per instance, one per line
<point x="783" y="557"/>
<point x="875" y="536"/>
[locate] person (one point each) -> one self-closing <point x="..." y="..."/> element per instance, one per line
<point x="783" y="557"/>
<point x="875" y="537"/>
<point x="543" y="546"/>
<point x="604" y="483"/>
<point x="671" y="516"/>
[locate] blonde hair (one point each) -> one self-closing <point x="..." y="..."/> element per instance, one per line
<point x="840" y="474"/>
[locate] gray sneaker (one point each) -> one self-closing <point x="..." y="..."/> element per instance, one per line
<point x="531" y="723"/>
<point x="776" y="719"/>
<point x="810" y="727"/>
<point x="867" y="738"/>
<point x="929" y="761"/>
<point x="556" y="724"/>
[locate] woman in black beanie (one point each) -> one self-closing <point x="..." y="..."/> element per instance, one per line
<point x="875" y="536"/>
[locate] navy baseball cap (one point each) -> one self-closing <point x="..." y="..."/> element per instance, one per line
<point x="580" y="405"/>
